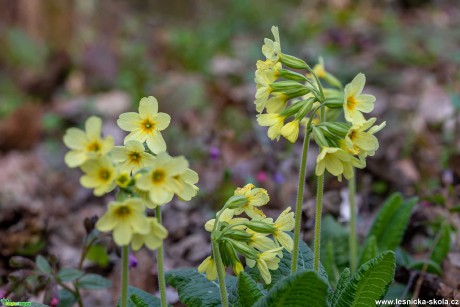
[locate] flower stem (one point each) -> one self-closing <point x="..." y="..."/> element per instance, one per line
<point x="161" y="273"/>
<point x="352" y="237"/>
<point x="319" y="209"/>
<point x="220" y="273"/>
<point x="299" y="200"/>
<point x="124" y="276"/>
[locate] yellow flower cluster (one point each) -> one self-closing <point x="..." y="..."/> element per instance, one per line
<point x="146" y="176"/>
<point x="292" y="99"/>
<point x="257" y="238"/>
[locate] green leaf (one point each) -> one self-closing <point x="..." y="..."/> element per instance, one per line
<point x="391" y="222"/>
<point x="66" y="298"/>
<point x="93" y="282"/>
<point x="195" y="289"/>
<point x="332" y="231"/>
<point x="248" y="291"/>
<point x="98" y="254"/>
<point x="301" y="289"/>
<point x="344" y="279"/>
<point x="69" y="274"/>
<point x="431" y="266"/>
<point x="369" y="250"/>
<point x="442" y="247"/>
<point x="43" y="264"/>
<point x="140" y="298"/>
<point x="304" y="262"/>
<point x="370" y="283"/>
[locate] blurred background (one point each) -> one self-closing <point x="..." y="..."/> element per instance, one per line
<point x="62" y="61"/>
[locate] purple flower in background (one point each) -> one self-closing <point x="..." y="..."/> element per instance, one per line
<point x="54" y="302"/>
<point x="214" y="153"/>
<point x="279" y="178"/>
<point x="132" y="261"/>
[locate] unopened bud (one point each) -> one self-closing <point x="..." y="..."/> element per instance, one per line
<point x="245" y="250"/>
<point x="286" y="86"/>
<point x="306" y="108"/>
<point x="239" y="235"/>
<point x="293" y="62"/>
<point x="228" y="253"/>
<point x="291" y="75"/>
<point x="339" y="129"/>
<point x="319" y="137"/>
<point x="334" y="103"/>
<point x="260" y="227"/>
<point x="236" y="201"/>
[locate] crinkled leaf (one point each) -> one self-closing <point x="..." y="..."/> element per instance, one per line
<point x="248" y="290"/>
<point x="344" y="279"/>
<point x="391" y="222"/>
<point x="140" y="298"/>
<point x="332" y="231"/>
<point x="303" y="289"/>
<point x="370" y="282"/>
<point x="93" y="282"/>
<point x="196" y="290"/>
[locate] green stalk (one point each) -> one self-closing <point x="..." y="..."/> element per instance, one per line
<point x="299" y="200"/>
<point x="220" y="273"/>
<point x="161" y="272"/>
<point x="352" y="237"/>
<point x="124" y="276"/>
<point x="319" y="209"/>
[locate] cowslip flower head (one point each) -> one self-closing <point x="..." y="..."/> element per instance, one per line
<point x="285" y="222"/>
<point x="153" y="239"/>
<point x="263" y="90"/>
<point x="125" y="219"/>
<point x="274" y="121"/>
<point x="360" y="139"/>
<point x="86" y="145"/>
<point x="266" y="261"/>
<point x="356" y="103"/>
<point x="146" y="125"/>
<point x="272" y="49"/>
<point x="256" y="197"/>
<point x="209" y="267"/>
<point x="187" y="180"/>
<point x="291" y="131"/>
<point x="99" y="175"/>
<point x="337" y="162"/>
<point x="160" y="181"/>
<point x="131" y="157"/>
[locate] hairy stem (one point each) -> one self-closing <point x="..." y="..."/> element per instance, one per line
<point x="160" y="256"/>
<point x="299" y="200"/>
<point x="124" y="276"/>
<point x="352" y="238"/>
<point x="220" y="273"/>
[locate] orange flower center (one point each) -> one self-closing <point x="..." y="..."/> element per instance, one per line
<point x="148" y="125"/>
<point x="123" y="211"/>
<point x="351" y="103"/>
<point x="158" y="176"/>
<point x="94" y="146"/>
<point x="104" y="174"/>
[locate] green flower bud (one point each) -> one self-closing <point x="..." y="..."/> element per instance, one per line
<point x="333" y="80"/>
<point x="319" y="137"/>
<point x="228" y="253"/>
<point x="260" y="227"/>
<point x="306" y="108"/>
<point x="293" y="62"/>
<point x="334" y="103"/>
<point x="245" y="250"/>
<point x="285" y="86"/>
<point x="292" y="75"/>
<point x="236" y="201"/>
<point x="339" y="129"/>
<point x="238" y="235"/>
<point x="293" y="109"/>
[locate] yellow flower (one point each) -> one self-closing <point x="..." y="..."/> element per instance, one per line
<point x="125" y="219"/>
<point x="160" y="181"/>
<point x="266" y="261"/>
<point x="355" y="102"/>
<point x="269" y="68"/>
<point x="319" y="69"/>
<point x="208" y="266"/>
<point x="361" y="142"/>
<point x="274" y="121"/>
<point x="146" y="125"/>
<point x="261" y="241"/>
<point x="131" y="157"/>
<point x="291" y="131"/>
<point x="337" y="161"/>
<point x="86" y="145"/>
<point x="272" y="49"/>
<point x="99" y="175"/>
<point x="237" y="268"/>
<point x="256" y="197"/>
<point x="187" y="181"/>
<point x="285" y="222"/>
<point x="153" y="239"/>
<point x="277" y="102"/>
<point x="263" y="90"/>
<point x="123" y="180"/>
